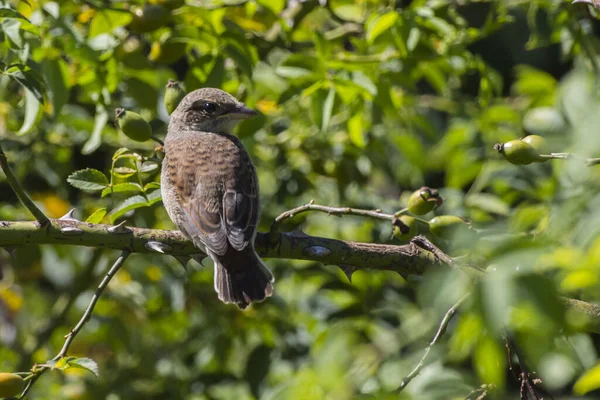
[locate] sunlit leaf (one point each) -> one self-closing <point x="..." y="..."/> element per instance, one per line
<point x="97" y="216"/>
<point x="33" y="113"/>
<point x="89" y="180"/>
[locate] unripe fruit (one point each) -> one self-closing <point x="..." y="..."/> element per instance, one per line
<point x="173" y="96"/>
<point x="149" y="18"/>
<point x="10" y="384"/>
<point x="424" y="200"/>
<point x="133" y="125"/>
<point x="448" y="226"/>
<point x="518" y="152"/>
<point x="167" y="51"/>
<point x="536" y="141"/>
<point x="405" y="228"/>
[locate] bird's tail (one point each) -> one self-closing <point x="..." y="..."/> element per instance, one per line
<point x="241" y="277"/>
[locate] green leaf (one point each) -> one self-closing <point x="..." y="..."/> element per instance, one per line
<point x="129" y="204"/>
<point x="75" y="362"/>
<point x="25" y="24"/>
<point x="120" y="152"/>
<point x="33" y="113"/>
<point x="490" y="360"/>
<point x="89" y="180"/>
<point x="587" y="382"/>
<point x="488" y="202"/>
<point x="97" y="216"/>
<point x="96" y="137"/>
<point x="355" y="129"/>
<point x="56" y="74"/>
<point x="327" y="109"/>
<point x="123" y="172"/>
<point x="155" y="197"/>
<point x="28" y="78"/>
<point x="380" y="24"/>
<point x="122" y="188"/>
<point x="106" y="21"/>
<point x="151" y="185"/>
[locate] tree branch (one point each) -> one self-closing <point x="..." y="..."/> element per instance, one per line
<point x="20" y="192"/>
<point x="443" y="325"/>
<point x="406" y="259"/>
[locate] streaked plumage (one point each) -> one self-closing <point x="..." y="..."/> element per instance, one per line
<point x="210" y="191"/>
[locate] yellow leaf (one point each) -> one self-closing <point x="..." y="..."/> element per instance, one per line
<point x="589" y="381"/>
<point x="153" y="273"/>
<point x="12" y="299"/>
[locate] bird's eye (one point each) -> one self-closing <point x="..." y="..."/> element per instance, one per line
<point x="209" y="107"/>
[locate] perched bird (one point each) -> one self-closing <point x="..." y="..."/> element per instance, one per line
<point x="210" y="190"/>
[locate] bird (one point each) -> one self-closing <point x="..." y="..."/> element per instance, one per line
<point x="210" y="190"/>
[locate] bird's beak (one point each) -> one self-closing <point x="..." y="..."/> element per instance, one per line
<point x="242" y="112"/>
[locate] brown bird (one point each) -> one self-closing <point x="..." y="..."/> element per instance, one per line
<point x="210" y="190"/>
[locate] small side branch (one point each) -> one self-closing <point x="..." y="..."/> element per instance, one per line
<point x="441" y="330"/>
<point x="337" y="211"/>
<point x="39" y="370"/>
<point x="20" y="192"/>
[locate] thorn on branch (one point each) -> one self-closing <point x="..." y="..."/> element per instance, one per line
<point x="158" y="247"/>
<point x="71" y="231"/>
<point x="348" y="270"/>
<point x="120" y="228"/>
<point x="70" y="216"/>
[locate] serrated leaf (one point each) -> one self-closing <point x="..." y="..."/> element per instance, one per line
<point x="28" y="78"/>
<point x="96" y="137"/>
<point x="129" y="204"/>
<point x="380" y="24"/>
<point x="33" y="113"/>
<point x="122" y="188"/>
<point x="97" y="216"/>
<point x="89" y="180"/>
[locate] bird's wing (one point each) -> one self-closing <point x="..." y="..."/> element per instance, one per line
<point x="218" y="192"/>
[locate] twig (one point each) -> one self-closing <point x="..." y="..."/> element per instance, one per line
<point x="527" y="387"/>
<point x="82" y="321"/>
<point x="88" y="312"/>
<point x="337" y="211"/>
<point x="62" y="307"/>
<point x="443" y="325"/>
<point x="20" y="192"/>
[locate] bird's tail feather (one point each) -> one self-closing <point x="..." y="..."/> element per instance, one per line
<point x="241" y="277"/>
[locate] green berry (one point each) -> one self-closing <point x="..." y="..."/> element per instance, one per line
<point x="405" y="227"/>
<point x="518" y="152"/>
<point x="149" y="18"/>
<point x="424" y="200"/>
<point x="448" y="226"/>
<point x="536" y="141"/>
<point x="133" y="125"/>
<point x="10" y="384"/>
<point x="173" y="96"/>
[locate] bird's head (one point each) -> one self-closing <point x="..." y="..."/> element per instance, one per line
<point x="209" y="110"/>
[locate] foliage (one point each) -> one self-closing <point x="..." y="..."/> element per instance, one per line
<point x="362" y="103"/>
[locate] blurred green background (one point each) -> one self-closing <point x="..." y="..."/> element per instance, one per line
<point x="361" y="103"/>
